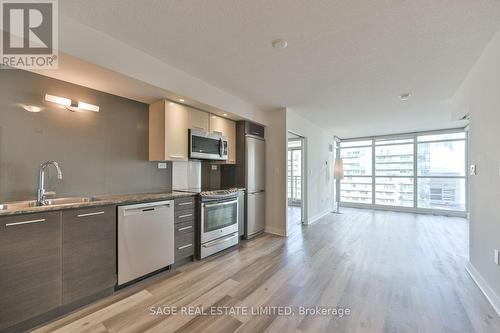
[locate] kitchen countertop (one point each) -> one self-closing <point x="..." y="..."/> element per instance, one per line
<point x="102" y="200"/>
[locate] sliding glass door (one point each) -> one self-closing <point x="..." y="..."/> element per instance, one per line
<point x="422" y="171"/>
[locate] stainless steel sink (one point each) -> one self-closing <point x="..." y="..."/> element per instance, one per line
<point x="66" y="201"/>
<point x="19" y="205"/>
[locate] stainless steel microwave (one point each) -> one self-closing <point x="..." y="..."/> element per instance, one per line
<point x="207" y="146"/>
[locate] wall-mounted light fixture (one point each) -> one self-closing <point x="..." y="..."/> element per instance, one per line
<point x="71" y="105"/>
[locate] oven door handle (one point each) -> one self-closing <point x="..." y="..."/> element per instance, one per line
<point x="221" y="203"/>
<point x="219" y="241"/>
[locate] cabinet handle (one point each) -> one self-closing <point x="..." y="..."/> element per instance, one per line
<point x="183" y="216"/>
<point x="185" y="203"/>
<point x="184" y="247"/>
<point x="90" y="214"/>
<point x="185" y="228"/>
<point x="217" y="242"/>
<point x="177" y="156"/>
<point x="24" y="222"/>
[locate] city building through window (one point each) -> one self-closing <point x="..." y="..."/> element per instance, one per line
<point x="422" y="171"/>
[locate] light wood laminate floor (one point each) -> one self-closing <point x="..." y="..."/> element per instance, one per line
<point x="396" y="272"/>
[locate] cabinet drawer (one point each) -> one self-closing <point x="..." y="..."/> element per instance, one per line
<point x="30" y="270"/>
<point x="184" y="245"/>
<point x="184" y="228"/>
<point x="184" y="203"/>
<point x="184" y="216"/>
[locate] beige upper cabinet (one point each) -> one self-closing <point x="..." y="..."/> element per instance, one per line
<point x="169" y="125"/>
<point x="168" y="131"/>
<point x="228" y="128"/>
<point x="199" y="119"/>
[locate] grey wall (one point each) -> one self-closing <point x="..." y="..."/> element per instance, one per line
<point x="99" y="153"/>
<point x="479" y="95"/>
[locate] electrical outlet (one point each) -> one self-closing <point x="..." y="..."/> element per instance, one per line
<point x="214" y="167"/>
<point x="162" y="165"/>
<point x="497" y="257"/>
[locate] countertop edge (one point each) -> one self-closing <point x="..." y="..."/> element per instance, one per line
<point x="102" y="201"/>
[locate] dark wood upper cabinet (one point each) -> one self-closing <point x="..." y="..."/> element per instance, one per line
<point x="30" y="266"/>
<point x="89" y="252"/>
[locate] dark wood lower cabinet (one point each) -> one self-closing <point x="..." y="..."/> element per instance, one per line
<point x="30" y="266"/>
<point x="53" y="262"/>
<point x="185" y="228"/>
<point x="89" y="252"/>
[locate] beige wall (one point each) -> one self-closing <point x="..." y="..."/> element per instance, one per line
<point x="319" y="193"/>
<point x="276" y="154"/>
<point x="319" y="159"/>
<point x="99" y="153"/>
<point x="480" y="96"/>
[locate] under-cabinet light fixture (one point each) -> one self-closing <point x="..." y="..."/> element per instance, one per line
<point x="71" y="105"/>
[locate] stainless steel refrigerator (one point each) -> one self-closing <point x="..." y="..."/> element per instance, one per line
<point x="255" y="151"/>
<point x="251" y="174"/>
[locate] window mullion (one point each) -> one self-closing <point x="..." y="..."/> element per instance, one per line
<point x="373" y="173"/>
<point x="415" y="171"/>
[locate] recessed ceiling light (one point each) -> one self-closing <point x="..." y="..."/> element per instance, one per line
<point x="32" y="108"/>
<point x="213" y="117"/>
<point x="280" y="43"/>
<point x="181" y="100"/>
<point x="225" y="114"/>
<point x="405" y="96"/>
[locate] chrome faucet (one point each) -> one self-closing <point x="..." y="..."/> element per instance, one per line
<point x="41" y="193"/>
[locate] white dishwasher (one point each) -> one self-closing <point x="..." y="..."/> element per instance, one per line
<point x="145" y="239"/>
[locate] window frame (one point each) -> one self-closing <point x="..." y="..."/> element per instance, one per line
<point x="370" y="145"/>
<point x="414" y="140"/>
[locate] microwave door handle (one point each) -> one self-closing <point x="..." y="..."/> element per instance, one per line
<point x="221" y="147"/>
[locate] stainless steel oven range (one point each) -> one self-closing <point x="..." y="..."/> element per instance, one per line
<point x="219" y="221"/>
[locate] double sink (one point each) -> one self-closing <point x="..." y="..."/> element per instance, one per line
<point x="19" y="205"/>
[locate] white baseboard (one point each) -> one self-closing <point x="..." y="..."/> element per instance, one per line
<point x="489" y="293"/>
<point x="316" y="217"/>
<point x="275" y="231"/>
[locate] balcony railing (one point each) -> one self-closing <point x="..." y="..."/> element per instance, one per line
<point x="294" y="189"/>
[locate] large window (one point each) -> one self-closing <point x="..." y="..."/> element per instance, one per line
<point x="421" y="171"/>
<point x="357" y="183"/>
<point x="441" y="171"/>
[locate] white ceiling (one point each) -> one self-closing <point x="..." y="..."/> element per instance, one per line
<point x="346" y="63"/>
